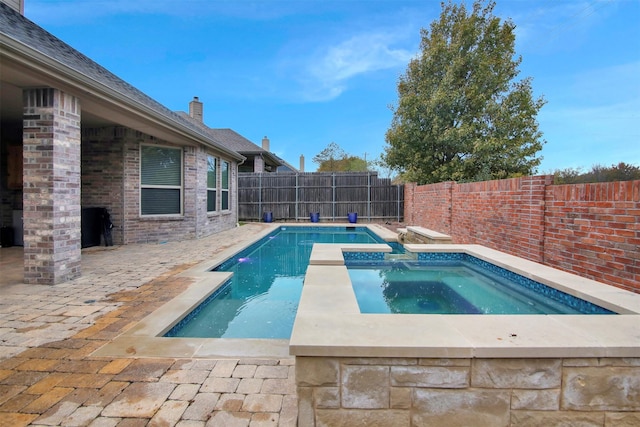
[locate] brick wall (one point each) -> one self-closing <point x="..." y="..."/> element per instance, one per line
<point x="207" y="222"/>
<point x="430" y="205"/>
<point x="506" y="215"/>
<point x="156" y="229"/>
<point x="111" y="179"/>
<point x="102" y="174"/>
<point x="594" y="231"/>
<point x="589" y="229"/>
<point x="51" y="195"/>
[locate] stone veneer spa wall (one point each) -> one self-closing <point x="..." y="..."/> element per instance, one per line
<point x="464" y="370"/>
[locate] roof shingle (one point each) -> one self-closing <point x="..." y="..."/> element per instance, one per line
<point x="29" y="34"/>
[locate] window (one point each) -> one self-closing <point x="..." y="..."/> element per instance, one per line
<point x="225" y="186"/>
<point x="212" y="183"/>
<point x="160" y="180"/>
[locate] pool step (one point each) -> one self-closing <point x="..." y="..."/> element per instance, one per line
<point x="409" y="256"/>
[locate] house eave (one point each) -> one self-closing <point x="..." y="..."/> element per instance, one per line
<point x="269" y="158"/>
<point x="46" y="70"/>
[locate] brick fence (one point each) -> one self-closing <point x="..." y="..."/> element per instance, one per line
<point x="589" y="229"/>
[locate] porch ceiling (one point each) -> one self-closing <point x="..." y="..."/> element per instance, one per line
<point x="97" y="110"/>
<point x="100" y="105"/>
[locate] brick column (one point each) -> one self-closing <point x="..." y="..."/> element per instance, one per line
<point x="51" y="198"/>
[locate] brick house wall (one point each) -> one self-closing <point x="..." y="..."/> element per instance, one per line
<point x="111" y="179"/>
<point x="589" y="229"/>
<point x="102" y="174"/>
<point x="210" y="223"/>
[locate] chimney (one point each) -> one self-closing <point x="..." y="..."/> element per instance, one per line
<point x="17" y="5"/>
<point x="195" y="109"/>
<point x="301" y="162"/>
<point x="265" y="144"/>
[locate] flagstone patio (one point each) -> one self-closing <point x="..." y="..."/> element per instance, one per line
<point x="48" y="375"/>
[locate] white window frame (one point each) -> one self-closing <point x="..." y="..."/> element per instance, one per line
<point x="225" y="190"/>
<point x="166" y="187"/>
<point x="215" y="190"/>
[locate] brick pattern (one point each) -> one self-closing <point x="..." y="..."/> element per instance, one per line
<point x="59" y="382"/>
<point x="506" y="215"/>
<point x="464" y="392"/>
<point x="211" y="223"/>
<point x="158" y="229"/>
<point x="51" y="195"/>
<point x="588" y="229"/>
<point x="111" y="178"/>
<point x="594" y="230"/>
<point x="429" y="206"/>
<point x="102" y="173"/>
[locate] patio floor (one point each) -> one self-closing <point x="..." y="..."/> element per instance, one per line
<point x="48" y="333"/>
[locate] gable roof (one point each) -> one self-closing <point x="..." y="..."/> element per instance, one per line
<point x="235" y="141"/>
<point x="30" y="45"/>
<point x="243" y="146"/>
<point x="286" y="166"/>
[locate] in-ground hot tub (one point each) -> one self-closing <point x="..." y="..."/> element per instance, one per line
<point x="464" y="369"/>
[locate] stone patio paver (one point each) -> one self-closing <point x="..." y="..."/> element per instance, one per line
<point x="202" y="406"/>
<point x="220" y="385"/>
<point x="48" y="375"/>
<point x="230" y="419"/>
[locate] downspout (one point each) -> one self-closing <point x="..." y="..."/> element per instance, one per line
<point x="237" y="199"/>
<point x="2" y="191"/>
<point x="123" y="213"/>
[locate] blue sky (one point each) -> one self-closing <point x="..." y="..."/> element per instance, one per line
<point x="306" y="73"/>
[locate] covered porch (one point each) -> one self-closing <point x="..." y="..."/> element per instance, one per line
<point x="71" y="134"/>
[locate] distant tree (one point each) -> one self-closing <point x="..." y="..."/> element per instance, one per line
<point x="598" y="173"/>
<point x="354" y="164"/>
<point x="384" y="169"/>
<point x="460" y="114"/>
<point x="334" y="159"/>
<point x="328" y="158"/>
<point x="567" y="176"/>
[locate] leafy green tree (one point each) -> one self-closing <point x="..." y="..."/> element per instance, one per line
<point x="567" y="176"/>
<point x="328" y="158"/>
<point x="354" y="164"/>
<point x="598" y="173"/>
<point x="334" y="159"/>
<point x="461" y="115"/>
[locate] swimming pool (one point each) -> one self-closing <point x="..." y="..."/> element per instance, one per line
<point x="329" y="322"/>
<point x="261" y="299"/>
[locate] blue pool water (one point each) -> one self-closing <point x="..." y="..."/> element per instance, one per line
<point x="465" y="285"/>
<point x="261" y="299"/>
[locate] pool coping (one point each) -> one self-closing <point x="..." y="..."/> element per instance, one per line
<point x="329" y="322"/>
<point x="144" y="339"/>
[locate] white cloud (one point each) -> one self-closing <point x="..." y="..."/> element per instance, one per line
<point x="326" y="75"/>
<point x="360" y="54"/>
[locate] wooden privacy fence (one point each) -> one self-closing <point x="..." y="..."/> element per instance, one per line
<point x="294" y="196"/>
